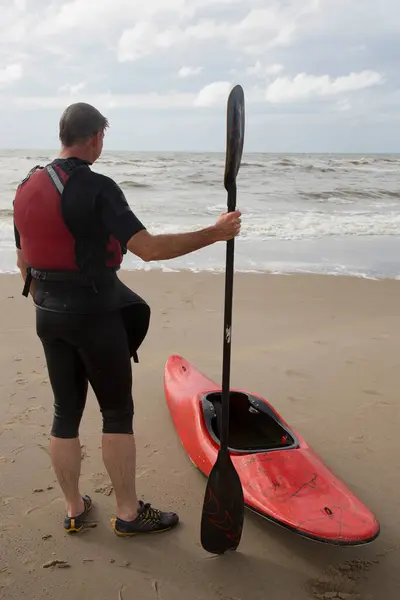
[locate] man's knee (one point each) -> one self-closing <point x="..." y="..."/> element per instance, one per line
<point x="118" y="420"/>
<point x="66" y="425"/>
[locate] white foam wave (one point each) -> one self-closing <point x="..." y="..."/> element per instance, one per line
<point x="311" y="225"/>
<point x="6" y="232"/>
<point x="302" y="225"/>
<point x="295" y="225"/>
<point x="272" y="269"/>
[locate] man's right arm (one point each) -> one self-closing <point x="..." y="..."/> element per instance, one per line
<point x="163" y="247"/>
<point x="126" y="227"/>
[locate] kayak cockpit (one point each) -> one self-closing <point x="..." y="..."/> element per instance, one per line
<point x="253" y="425"/>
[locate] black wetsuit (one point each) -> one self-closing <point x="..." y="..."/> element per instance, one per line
<point x="89" y="334"/>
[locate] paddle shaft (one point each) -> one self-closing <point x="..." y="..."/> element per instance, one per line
<point x="226" y="360"/>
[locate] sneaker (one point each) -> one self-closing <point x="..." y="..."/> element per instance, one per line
<point x="76" y="524"/>
<point x="149" y="520"/>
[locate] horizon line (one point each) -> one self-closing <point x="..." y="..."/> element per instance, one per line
<point x="222" y="152"/>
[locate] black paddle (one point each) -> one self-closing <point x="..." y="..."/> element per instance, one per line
<point x="223" y="508"/>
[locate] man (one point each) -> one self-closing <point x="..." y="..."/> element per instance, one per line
<point x="72" y="227"/>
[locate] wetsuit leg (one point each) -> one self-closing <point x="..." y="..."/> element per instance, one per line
<point x="88" y="347"/>
<point x="105" y="352"/>
<point x="69" y="382"/>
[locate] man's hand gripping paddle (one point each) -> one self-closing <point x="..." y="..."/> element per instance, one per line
<point x="223" y="508"/>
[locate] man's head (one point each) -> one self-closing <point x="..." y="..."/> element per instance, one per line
<point x="81" y="132"/>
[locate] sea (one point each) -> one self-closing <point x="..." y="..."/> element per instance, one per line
<point x="301" y="213"/>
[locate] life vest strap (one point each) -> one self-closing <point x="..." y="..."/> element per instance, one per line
<point x="28" y="281"/>
<point x="73" y="276"/>
<point x="55" y="178"/>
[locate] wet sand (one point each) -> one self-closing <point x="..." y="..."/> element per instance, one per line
<point x="323" y="350"/>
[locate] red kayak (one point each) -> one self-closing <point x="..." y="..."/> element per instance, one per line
<point x="283" y="479"/>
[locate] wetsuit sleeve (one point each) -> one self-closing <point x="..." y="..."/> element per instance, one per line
<point x="116" y="214"/>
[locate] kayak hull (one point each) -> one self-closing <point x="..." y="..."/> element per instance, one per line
<point x="283" y="479"/>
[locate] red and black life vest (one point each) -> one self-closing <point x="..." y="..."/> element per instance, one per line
<point x="54" y="246"/>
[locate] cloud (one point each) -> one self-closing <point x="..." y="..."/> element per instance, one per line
<point x="305" y="86"/>
<point x="189" y="71"/>
<point x="259" y="70"/>
<point x="104" y="102"/>
<point x="94" y="16"/>
<point x="258" y="30"/>
<point x="72" y="88"/>
<point x="214" y="94"/>
<point x="274" y="69"/>
<point x="144" y="39"/>
<point x="10" y="74"/>
<point x="333" y="60"/>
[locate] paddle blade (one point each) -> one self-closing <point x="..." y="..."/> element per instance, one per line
<point x="234" y="135"/>
<point x="223" y="507"/>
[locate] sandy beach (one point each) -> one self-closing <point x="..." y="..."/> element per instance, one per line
<point x="324" y="350"/>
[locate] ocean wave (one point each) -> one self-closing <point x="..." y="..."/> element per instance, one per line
<point x="286" y="162"/>
<point x="268" y="267"/>
<point x="120" y="162"/>
<point x="312" y="225"/>
<point x="319" y="169"/>
<point x="201" y="179"/>
<point x="349" y="195"/>
<point x="298" y="225"/>
<point x="362" y="161"/>
<point x="6" y="212"/>
<point x="39" y="158"/>
<point x="253" y="164"/>
<point x="293" y="225"/>
<point x="215" y="209"/>
<point x="331" y="164"/>
<point x="134" y="184"/>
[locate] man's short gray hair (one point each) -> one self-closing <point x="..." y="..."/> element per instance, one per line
<point x="79" y="122"/>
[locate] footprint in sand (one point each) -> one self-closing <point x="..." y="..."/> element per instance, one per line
<point x="5" y="500"/>
<point x="142" y="472"/>
<point x="107" y="489"/>
<point x="102" y="484"/>
<point x="28" y="411"/>
<point x="341" y="582"/>
<point x="293" y="373"/>
<point x="295" y="398"/>
<point x="43" y="507"/>
<point x="44" y="448"/>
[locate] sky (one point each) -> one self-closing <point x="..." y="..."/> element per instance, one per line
<point x="318" y="75"/>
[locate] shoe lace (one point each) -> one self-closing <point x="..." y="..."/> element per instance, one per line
<point x="150" y="514"/>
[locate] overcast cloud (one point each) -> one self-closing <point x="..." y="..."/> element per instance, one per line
<point x="318" y="75"/>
